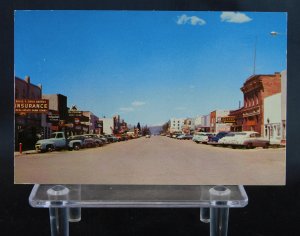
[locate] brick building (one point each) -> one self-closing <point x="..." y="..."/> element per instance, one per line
<point x="237" y="117"/>
<point x="27" y="126"/>
<point x="216" y="124"/>
<point x="256" y="88"/>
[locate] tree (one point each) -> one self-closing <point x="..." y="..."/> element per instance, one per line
<point x="165" y="127"/>
<point x="146" y="131"/>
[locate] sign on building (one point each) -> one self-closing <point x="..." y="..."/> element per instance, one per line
<point x="31" y="105"/>
<point x="228" y="119"/>
<point x="53" y="118"/>
<point x="75" y="113"/>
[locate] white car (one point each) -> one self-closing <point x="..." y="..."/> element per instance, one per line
<point x="227" y="139"/>
<point x="248" y="139"/>
<point x="201" y="137"/>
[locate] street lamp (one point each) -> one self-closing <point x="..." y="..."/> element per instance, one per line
<point x="254" y="59"/>
<point x="273" y="34"/>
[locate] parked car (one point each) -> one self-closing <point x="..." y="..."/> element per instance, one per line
<point x="103" y="138"/>
<point x="201" y="137"/>
<point x="95" y="137"/>
<point x="215" y="139"/>
<point x="111" y="138"/>
<point x="77" y="142"/>
<point x="185" y="137"/>
<point x="175" y="135"/>
<point x="227" y="139"/>
<point x="59" y="140"/>
<point x="248" y="139"/>
<point x="121" y="137"/>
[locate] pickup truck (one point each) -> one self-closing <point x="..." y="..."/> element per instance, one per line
<point x="59" y="140"/>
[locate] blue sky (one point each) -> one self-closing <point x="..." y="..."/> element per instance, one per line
<point x="148" y="66"/>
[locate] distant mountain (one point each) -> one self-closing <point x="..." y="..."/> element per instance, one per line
<point x="155" y="129"/>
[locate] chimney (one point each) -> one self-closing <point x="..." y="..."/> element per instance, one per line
<point x="27" y="79"/>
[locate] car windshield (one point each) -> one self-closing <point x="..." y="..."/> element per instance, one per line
<point x="75" y="137"/>
<point x="53" y="135"/>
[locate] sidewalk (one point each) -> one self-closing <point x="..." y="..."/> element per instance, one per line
<point x="25" y="152"/>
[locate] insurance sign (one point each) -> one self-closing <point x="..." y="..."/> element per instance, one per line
<point x="31" y="105"/>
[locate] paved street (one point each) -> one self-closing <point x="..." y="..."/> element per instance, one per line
<point x="158" y="160"/>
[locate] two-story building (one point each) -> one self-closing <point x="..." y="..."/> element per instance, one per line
<point x="256" y="88"/>
<point x="27" y="126"/>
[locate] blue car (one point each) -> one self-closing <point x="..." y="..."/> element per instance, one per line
<point x="215" y="139"/>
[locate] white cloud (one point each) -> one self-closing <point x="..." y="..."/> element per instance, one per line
<point x="126" y="109"/>
<point x="192" y="20"/>
<point x="234" y="17"/>
<point x="137" y="103"/>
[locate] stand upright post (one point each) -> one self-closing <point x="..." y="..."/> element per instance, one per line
<point x="219" y="221"/>
<point x="219" y="215"/>
<point x="59" y="214"/>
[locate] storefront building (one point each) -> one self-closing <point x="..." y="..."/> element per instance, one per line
<point x="57" y="116"/>
<point x="27" y="126"/>
<point x="107" y="125"/>
<point x="256" y="89"/>
<point x="275" y="114"/>
<point x="236" y="120"/>
<point x="272" y="118"/>
<point x="92" y="122"/>
<point x="205" y="123"/>
<point x="216" y="124"/>
<point x="76" y="122"/>
<point x="188" y="126"/>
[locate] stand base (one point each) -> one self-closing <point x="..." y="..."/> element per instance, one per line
<point x="65" y="201"/>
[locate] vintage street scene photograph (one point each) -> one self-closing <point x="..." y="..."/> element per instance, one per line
<point x="150" y="97"/>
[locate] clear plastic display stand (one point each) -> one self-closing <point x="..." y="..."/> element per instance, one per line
<point x="65" y="201"/>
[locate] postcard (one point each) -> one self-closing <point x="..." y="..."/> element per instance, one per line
<point x="150" y="97"/>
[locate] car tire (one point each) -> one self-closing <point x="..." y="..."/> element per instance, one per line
<point x="50" y="148"/>
<point x="76" y="146"/>
<point x="249" y="146"/>
<point x="266" y="146"/>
